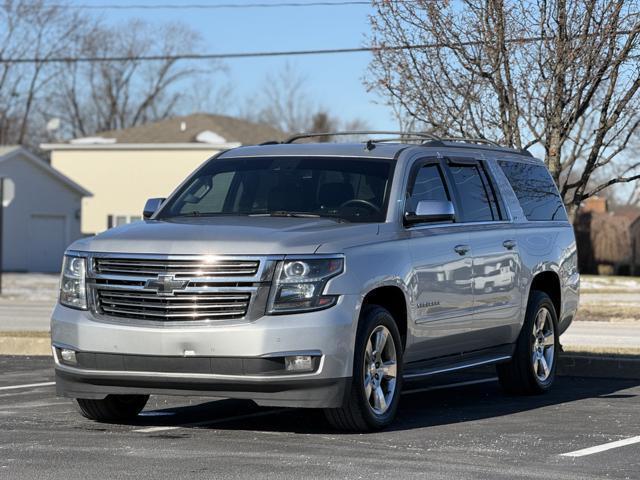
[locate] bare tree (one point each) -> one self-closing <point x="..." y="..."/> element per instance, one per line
<point x="285" y="102"/>
<point x="562" y="74"/>
<point x="109" y="95"/>
<point x="36" y="30"/>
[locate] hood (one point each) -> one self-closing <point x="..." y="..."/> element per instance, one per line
<point x="229" y="236"/>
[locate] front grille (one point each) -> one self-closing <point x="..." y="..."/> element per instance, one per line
<point x="187" y="268"/>
<point x="181" y="306"/>
<point x="178" y="289"/>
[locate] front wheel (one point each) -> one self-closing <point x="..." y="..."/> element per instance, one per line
<point x="113" y="408"/>
<point x="377" y="375"/>
<point x="532" y="369"/>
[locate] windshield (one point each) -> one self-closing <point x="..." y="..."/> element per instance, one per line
<point x="353" y="190"/>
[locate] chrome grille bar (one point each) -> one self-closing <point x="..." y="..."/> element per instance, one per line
<point x="180" y="268"/>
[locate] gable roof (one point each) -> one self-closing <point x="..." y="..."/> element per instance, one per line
<point x="185" y="129"/>
<point x="6" y="149"/>
<point x="11" y="151"/>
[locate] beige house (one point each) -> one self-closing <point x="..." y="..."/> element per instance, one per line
<point x="123" y="168"/>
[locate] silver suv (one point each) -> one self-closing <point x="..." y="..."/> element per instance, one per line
<point x="323" y="275"/>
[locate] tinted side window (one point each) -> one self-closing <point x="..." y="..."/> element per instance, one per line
<point x="428" y="185"/>
<point x="536" y="192"/>
<point x="477" y="201"/>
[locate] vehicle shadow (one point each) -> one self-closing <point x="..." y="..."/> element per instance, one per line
<point x="425" y="404"/>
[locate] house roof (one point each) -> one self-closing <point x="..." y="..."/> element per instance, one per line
<point x="11" y="151"/>
<point x="196" y="130"/>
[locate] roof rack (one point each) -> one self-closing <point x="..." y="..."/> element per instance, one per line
<point x="484" y="141"/>
<point x="428" y="139"/>
<point x="422" y="135"/>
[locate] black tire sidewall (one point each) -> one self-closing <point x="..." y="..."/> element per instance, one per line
<point x="372" y="318"/>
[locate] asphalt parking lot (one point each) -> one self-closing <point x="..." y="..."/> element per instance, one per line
<point x="471" y="430"/>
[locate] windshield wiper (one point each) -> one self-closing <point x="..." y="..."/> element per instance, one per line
<point x="283" y="213"/>
<point x="196" y="213"/>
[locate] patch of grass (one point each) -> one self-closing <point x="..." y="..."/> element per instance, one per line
<point x="25" y="334"/>
<point x="602" y="351"/>
<point x="608" y="312"/>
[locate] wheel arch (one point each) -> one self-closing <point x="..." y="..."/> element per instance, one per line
<point x="392" y="298"/>
<point x="548" y="282"/>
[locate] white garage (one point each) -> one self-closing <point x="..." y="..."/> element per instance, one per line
<point x="44" y="215"/>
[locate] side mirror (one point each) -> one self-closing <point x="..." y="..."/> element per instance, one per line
<point x="431" y="211"/>
<point x="151" y="207"/>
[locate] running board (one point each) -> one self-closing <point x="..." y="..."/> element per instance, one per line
<point x="457" y="362"/>
<point x="462" y="366"/>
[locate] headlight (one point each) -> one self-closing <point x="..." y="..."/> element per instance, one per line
<point x="299" y="284"/>
<point x="72" y="287"/>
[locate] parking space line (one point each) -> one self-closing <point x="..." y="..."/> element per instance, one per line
<point x="154" y="429"/>
<point x="28" y="385"/>
<point x="210" y="422"/>
<point x="603" y="447"/>
<point x="273" y="412"/>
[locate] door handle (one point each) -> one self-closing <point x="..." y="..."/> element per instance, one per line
<point x="509" y="244"/>
<point x="461" y="249"/>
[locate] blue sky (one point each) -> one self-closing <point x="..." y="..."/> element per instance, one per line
<point x="335" y="81"/>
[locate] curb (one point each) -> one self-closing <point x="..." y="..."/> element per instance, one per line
<point x="586" y="364"/>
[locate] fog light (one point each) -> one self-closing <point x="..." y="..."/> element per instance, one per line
<point x="299" y="363"/>
<point x="68" y="356"/>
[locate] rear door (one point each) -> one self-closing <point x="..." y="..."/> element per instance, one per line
<point x="496" y="266"/>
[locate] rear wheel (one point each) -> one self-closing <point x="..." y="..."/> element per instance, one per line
<point x="373" y="399"/>
<point x="113" y="408"/>
<point x="533" y="366"/>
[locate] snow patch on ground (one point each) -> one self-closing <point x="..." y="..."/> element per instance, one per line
<point x="604" y="284"/>
<point x="29" y="287"/>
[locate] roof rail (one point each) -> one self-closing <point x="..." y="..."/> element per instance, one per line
<point x="428" y="139"/>
<point x="471" y="140"/>
<point x="424" y="135"/>
<point x="485" y="141"/>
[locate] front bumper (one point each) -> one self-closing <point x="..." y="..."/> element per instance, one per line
<point x="329" y="334"/>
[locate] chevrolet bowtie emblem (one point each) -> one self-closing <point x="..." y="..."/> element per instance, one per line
<point x="165" y="285"/>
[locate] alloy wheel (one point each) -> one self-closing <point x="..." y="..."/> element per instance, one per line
<point x="544" y="345"/>
<point x="380" y="370"/>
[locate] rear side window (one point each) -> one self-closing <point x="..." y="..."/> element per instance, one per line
<point x="478" y="203"/>
<point x="536" y="192"/>
<point x="428" y="185"/>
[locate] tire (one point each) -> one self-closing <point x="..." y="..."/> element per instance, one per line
<point x="532" y="369"/>
<point x="113" y="408"/>
<point x="373" y="407"/>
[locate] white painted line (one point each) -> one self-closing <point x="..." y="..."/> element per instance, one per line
<point x="450" y="385"/>
<point x="210" y="422"/>
<point x="28" y="385"/>
<point x="603" y="447"/>
<point x="272" y="412"/>
<point x="154" y="429"/>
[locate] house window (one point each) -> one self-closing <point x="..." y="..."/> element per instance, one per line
<point x="117" y="220"/>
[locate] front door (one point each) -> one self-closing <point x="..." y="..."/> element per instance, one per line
<point x="440" y="283"/>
